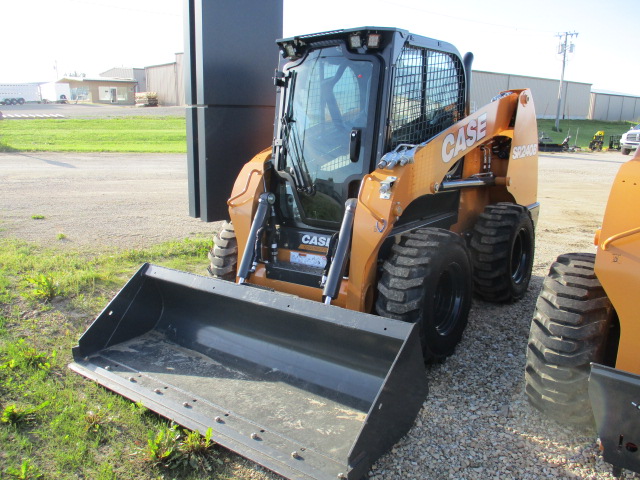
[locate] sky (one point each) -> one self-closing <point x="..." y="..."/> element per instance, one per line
<point x="41" y="40"/>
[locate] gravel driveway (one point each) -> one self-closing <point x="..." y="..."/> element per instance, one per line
<point x="476" y="423"/>
<point x="86" y="110"/>
<point x="98" y="201"/>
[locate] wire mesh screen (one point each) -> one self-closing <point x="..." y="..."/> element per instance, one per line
<point x="427" y="95"/>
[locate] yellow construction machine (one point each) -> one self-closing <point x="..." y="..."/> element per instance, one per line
<point x="582" y="356"/>
<point x="356" y="242"/>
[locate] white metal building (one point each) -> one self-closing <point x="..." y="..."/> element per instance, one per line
<point x="614" y="107"/>
<point x="575" y="96"/>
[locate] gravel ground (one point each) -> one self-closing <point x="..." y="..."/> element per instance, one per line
<point x="476" y="422"/>
<point x="98" y="201"/>
<point x="85" y="110"/>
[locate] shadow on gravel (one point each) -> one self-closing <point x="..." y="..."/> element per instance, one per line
<point x="50" y="162"/>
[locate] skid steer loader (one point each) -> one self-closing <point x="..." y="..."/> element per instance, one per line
<point x="582" y="355"/>
<point x="356" y="242"/>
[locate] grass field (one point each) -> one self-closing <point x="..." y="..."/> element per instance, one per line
<point x="125" y="134"/>
<point x="168" y="134"/>
<point x="55" y="424"/>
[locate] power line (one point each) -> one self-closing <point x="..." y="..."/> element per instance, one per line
<point x="563" y="48"/>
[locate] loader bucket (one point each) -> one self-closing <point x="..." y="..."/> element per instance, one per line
<point x="308" y="390"/>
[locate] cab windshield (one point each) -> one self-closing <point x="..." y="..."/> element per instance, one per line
<point x="323" y="127"/>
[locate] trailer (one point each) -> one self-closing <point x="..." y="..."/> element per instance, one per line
<point x="54" y="92"/>
<point x="19" y="93"/>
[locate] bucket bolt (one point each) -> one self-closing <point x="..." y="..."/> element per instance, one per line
<point x="254" y="436"/>
<point x="295" y="455"/>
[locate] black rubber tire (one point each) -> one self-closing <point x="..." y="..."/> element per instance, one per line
<point x="625" y="151"/>
<point x="427" y="280"/>
<point x="569" y="330"/>
<point x="502" y="248"/>
<point x="224" y="254"/>
<point x="21" y="101"/>
<point x="14" y="101"/>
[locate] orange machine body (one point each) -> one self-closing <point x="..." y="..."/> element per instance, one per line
<point x="618" y="260"/>
<point x="385" y="193"/>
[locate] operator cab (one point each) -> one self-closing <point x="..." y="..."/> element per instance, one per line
<point x="345" y="99"/>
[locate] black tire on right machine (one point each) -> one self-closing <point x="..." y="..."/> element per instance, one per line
<point x="572" y="322"/>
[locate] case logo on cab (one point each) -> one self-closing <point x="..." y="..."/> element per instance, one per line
<point x="315" y="240"/>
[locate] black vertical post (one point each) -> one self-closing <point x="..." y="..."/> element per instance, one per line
<point x="230" y="56"/>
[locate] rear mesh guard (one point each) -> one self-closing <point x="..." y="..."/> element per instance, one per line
<point x="305" y="389"/>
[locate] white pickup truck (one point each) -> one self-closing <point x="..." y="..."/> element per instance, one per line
<point x="630" y="140"/>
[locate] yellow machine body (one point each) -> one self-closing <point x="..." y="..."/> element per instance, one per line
<point x="618" y="260"/>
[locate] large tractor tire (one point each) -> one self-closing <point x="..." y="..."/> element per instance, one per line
<point x="569" y="330"/>
<point x="502" y="248"/>
<point x="224" y="254"/>
<point x="427" y="280"/>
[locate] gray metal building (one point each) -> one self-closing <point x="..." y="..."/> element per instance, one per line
<point x="614" y="107"/>
<point x="167" y="80"/>
<point x="575" y="97"/>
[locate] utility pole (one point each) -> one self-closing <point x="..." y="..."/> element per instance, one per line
<point x="562" y="49"/>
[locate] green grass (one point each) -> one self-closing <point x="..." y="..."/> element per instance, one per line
<point x="581" y="131"/>
<point x="168" y="134"/>
<point x="57" y="424"/>
<point x="126" y="134"/>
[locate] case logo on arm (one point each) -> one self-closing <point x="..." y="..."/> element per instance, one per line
<point x="467" y="136"/>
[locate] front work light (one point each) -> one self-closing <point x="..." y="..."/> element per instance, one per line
<point x="373" y="40"/>
<point x="355" y="41"/>
<point x="290" y="49"/>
